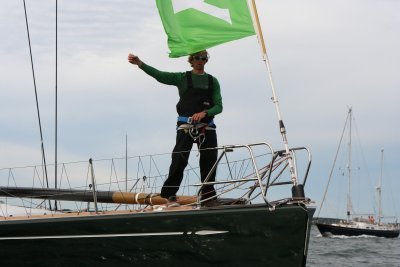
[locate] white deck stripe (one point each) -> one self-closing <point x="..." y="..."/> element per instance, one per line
<point x="203" y="232"/>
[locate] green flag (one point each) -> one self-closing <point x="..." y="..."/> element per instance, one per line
<point x="195" y="25"/>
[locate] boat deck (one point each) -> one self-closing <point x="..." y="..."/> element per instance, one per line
<point x="47" y="214"/>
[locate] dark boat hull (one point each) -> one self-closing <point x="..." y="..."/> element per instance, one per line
<point x="329" y="229"/>
<point x="229" y="236"/>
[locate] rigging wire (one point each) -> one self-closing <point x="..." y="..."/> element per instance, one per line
<point x="56" y="107"/>
<point x="37" y="101"/>
<point x="334" y="163"/>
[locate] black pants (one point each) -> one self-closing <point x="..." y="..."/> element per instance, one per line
<point x="180" y="156"/>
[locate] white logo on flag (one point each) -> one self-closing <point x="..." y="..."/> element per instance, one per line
<point x="221" y="13"/>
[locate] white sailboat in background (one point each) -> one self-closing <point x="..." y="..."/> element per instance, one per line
<point x="356" y="225"/>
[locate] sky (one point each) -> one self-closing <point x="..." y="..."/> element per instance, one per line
<point x="325" y="56"/>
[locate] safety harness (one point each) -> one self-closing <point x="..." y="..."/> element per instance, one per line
<point x="188" y="104"/>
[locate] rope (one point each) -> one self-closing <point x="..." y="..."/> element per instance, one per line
<point x="196" y="131"/>
<point x="334" y="164"/>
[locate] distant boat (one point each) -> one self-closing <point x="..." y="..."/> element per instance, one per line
<point x="355" y="225"/>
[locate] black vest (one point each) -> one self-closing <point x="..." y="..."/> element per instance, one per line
<point x="196" y="99"/>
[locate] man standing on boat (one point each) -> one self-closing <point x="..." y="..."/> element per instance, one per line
<point x="200" y="100"/>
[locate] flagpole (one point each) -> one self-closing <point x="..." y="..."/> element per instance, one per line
<point x="275" y="100"/>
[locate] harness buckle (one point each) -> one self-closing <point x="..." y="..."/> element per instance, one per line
<point x="189" y="120"/>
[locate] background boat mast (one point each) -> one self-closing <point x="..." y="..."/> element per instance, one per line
<point x="379" y="189"/>
<point x="349" y="169"/>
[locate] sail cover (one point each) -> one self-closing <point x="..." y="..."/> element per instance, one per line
<point x="195" y="25"/>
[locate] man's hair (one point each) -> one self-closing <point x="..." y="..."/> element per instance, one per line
<point x="190" y="58"/>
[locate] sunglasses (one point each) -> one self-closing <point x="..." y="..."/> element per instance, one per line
<point x="203" y="58"/>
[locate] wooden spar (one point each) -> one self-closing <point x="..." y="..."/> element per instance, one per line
<point x="87" y="196"/>
<point x="258" y="29"/>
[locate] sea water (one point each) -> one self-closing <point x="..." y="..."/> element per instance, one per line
<point x="341" y="251"/>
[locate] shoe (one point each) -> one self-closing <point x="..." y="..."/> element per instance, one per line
<point x="172" y="199"/>
<point x="172" y="202"/>
<point x="210" y="203"/>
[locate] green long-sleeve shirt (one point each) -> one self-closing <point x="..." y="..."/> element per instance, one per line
<point x="179" y="80"/>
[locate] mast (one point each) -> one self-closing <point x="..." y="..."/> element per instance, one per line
<point x="349" y="169"/>
<point x="126" y="162"/>
<point x="379" y="189"/>
<point x="297" y="190"/>
<point x="126" y="165"/>
<point x="56" y="110"/>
